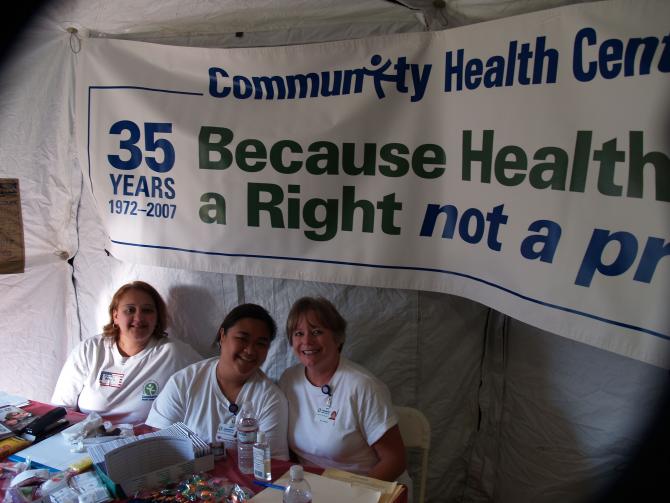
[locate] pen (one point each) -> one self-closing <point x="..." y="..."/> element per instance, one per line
<point x="268" y="484"/>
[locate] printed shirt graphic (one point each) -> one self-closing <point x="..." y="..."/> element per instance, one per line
<point x="113" y="379"/>
<point x="150" y="390"/>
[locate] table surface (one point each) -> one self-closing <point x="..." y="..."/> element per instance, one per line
<point x="228" y="468"/>
<point x="223" y="468"/>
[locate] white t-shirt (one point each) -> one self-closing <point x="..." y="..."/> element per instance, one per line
<point x="194" y="397"/>
<point x="338" y="435"/>
<point x="97" y="378"/>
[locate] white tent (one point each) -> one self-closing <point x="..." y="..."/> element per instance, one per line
<point x="517" y="413"/>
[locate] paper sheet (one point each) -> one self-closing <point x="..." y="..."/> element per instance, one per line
<point x="324" y="490"/>
<point x="53" y="452"/>
<point x="389" y="490"/>
<point x="15" y="400"/>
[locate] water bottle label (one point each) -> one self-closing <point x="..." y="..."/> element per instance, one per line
<point x="246" y="437"/>
<point x="262" y="464"/>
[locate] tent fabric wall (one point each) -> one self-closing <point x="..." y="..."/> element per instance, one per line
<point x="556" y="411"/>
<point x="38" y="313"/>
<point x="39" y="325"/>
<point x="518" y="414"/>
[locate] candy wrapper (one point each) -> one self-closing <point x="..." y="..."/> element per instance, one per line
<point x="240" y="494"/>
<point x="196" y="488"/>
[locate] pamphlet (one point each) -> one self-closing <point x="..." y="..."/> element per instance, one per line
<point x="13" y="420"/>
<point x="8" y="399"/>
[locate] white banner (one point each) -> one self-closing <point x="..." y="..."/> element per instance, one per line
<point x="522" y="163"/>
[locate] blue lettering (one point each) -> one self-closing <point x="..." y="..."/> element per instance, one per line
<point x="588" y="35"/>
<point x="548" y="243"/>
<point x="593" y="259"/>
<point x="214" y="74"/>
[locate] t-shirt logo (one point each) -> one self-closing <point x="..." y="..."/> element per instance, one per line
<point x="111" y="379"/>
<point x="150" y="391"/>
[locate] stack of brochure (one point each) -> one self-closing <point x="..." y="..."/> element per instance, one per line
<point x="198" y="447"/>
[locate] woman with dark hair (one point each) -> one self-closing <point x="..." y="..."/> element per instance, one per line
<point x="340" y="415"/>
<point x="119" y="373"/>
<point x="207" y="395"/>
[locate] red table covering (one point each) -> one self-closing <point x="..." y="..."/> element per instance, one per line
<point x="228" y="468"/>
<point x="224" y="468"/>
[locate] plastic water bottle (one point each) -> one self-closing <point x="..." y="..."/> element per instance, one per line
<point x="262" y="458"/>
<point x="298" y="490"/>
<point x="247" y="428"/>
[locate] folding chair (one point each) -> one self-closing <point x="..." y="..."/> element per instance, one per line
<point x="415" y="432"/>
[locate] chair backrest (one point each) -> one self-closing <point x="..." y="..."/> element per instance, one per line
<point x="415" y="432"/>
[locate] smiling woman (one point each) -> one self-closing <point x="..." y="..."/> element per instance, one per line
<point x="207" y="395"/>
<point x="340" y="415"/>
<point x="119" y="373"/>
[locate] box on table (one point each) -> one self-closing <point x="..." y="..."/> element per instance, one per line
<point x="150" y="461"/>
<point x="158" y="478"/>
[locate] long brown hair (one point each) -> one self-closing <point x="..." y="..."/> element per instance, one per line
<point x="112" y="331"/>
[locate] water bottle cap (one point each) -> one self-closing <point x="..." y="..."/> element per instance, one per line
<point x="296" y="472"/>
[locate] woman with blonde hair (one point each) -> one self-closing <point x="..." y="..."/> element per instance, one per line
<point x="119" y="373"/>
<point x="340" y="415"/>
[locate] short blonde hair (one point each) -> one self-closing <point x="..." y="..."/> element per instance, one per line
<point x="325" y="312"/>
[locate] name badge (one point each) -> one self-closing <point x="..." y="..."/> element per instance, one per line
<point x="226" y="433"/>
<point x="326" y="415"/>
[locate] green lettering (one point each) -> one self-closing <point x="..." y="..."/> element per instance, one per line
<point x="250" y="150"/>
<point x="349" y="162"/>
<point x="484" y="155"/>
<point x="276" y="157"/>
<point x="389" y="205"/>
<point x="580" y="164"/>
<point x="510" y="158"/>
<point x="323" y="163"/>
<point x="638" y="160"/>
<point x="215" y="211"/>
<point x="557" y="169"/>
<point x="329" y="221"/>
<point x="255" y="205"/>
<point x="608" y="158"/>
<point x="388" y="153"/>
<point x="428" y="153"/>
<point x="349" y="204"/>
<point x="206" y="146"/>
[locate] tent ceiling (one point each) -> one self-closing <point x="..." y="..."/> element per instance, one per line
<point x="176" y="17"/>
<point x="146" y="19"/>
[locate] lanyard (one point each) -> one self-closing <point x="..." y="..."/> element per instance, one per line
<point x="327" y="390"/>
